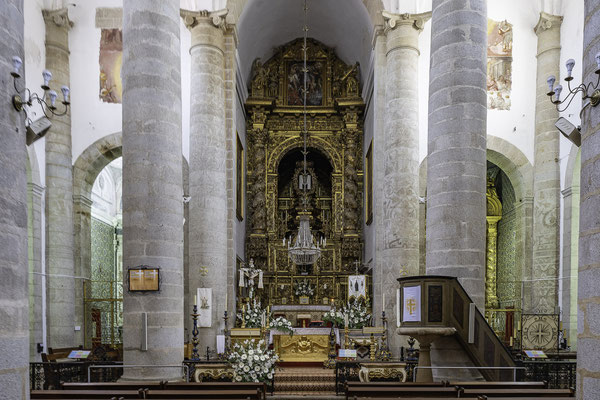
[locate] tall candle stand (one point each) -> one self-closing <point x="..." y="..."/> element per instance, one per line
<point x="330" y="362"/>
<point x="226" y="334"/>
<point x="195" y="332"/>
<point x="384" y="351"/>
<point x="346" y="337"/>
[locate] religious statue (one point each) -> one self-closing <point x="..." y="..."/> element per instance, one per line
<point x="248" y="274"/>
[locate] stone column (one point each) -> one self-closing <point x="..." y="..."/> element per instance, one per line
<point x="14" y="324"/>
<point x="152" y="184"/>
<point x="588" y="323"/>
<point x="59" y="192"/>
<point x="208" y="176"/>
<point x="456" y="161"/>
<point x="543" y="289"/>
<point x="399" y="255"/>
<point x="36" y="196"/>
<point x="82" y="228"/>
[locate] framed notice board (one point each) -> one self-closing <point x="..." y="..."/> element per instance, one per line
<point x="143" y="279"/>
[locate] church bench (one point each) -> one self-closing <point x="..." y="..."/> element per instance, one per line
<point x="126" y="385"/>
<point x="262" y="387"/>
<point x="86" y="394"/>
<point x="534" y="393"/>
<point x="500" y="385"/>
<point x="402" y="392"/>
<point x="247" y="394"/>
<point x="395" y="384"/>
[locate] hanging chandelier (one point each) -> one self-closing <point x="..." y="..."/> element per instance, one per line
<point x="304" y="251"/>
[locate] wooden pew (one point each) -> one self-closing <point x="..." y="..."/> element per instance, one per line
<point x="218" y="386"/>
<point x="86" y="394"/>
<point x="402" y="392"/>
<point x="205" y="394"/>
<point x="126" y="385"/>
<point x="512" y="393"/>
<point x="500" y="385"/>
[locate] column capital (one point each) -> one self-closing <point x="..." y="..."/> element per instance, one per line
<point x="547" y="22"/>
<point x="417" y="21"/>
<point x="83" y="201"/>
<point x="59" y="17"/>
<point x="217" y="18"/>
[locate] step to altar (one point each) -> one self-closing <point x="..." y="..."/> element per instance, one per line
<point x="304" y="381"/>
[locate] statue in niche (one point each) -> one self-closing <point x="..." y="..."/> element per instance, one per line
<point x="259" y="78"/>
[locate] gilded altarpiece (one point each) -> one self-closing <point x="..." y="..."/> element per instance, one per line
<point x="335" y="135"/>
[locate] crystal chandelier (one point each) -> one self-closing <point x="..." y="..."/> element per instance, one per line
<point x="304" y="251"/>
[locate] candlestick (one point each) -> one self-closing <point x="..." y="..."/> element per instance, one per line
<point x="226" y="334"/>
<point x="195" y="355"/>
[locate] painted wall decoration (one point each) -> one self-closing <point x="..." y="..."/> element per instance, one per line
<point x="499" y="65"/>
<point x="111" y="59"/>
<point x="314" y="83"/>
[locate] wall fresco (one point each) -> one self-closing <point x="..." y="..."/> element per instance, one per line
<point x="499" y="65"/>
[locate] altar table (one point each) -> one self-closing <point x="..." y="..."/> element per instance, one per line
<point x="306" y="345"/>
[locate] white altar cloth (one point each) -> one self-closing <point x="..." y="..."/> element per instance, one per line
<point x="306" y="331"/>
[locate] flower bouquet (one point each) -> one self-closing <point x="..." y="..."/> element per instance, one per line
<point x="304" y="288"/>
<point x="282" y="324"/>
<point x="252" y="362"/>
<point x="251" y="314"/>
<point x="358" y="314"/>
<point x="335" y="317"/>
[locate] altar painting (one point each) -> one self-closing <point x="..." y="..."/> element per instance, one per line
<point x="111" y="60"/>
<point x="499" y="65"/>
<point x="314" y="83"/>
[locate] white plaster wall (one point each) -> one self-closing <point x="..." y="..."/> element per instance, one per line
<point x="35" y="61"/>
<point x="92" y="118"/>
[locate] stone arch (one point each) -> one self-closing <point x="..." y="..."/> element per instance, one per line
<point x="285" y="146"/>
<point x="519" y="170"/>
<point x="515" y="165"/>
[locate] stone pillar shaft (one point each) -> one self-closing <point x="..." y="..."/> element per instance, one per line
<point x="152" y="184"/>
<point x="399" y="255"/>
<point x="208" y="176"/>
<point x="59" y="192"/>
<point x="588" y="324"/>
<point x="35" y="196"/>
<point x="543" y="290"/>
<point x="456" y="161"/>
<point x="14" y="323"/>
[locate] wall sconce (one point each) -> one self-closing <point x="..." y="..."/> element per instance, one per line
<point x="24" y="98"/>
<point x="589" y="91"/>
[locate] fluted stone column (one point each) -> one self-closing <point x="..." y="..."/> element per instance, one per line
<point x="541" y="295"/>
<point x="400" y="253"/>
<point x="14" y="302"/>
<point x="588" y="323"/>
<point x="152" y="184"/>
<point x="59" y="192"/>
<point x="208" y="175"/>
<point x="456" y="161"/>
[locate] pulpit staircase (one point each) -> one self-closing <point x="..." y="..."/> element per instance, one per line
<point x="445" y="304"/>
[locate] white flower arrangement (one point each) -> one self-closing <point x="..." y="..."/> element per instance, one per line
<point x="358" y="314"/>
<point x="304" y="288"/>
<point x="281" y="324"/>
<point x="334" y="316"/>
<point x="251" y="314"/>
<point x="252" y="362"/>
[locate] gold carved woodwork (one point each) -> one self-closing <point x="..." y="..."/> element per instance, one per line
<point x="388" y="370"/>
<point x="212" y="372"/>
<point x="302" y="347"/>
<point x="335" y="133"/>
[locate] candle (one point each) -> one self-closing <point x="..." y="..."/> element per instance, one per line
<point x="511" y="341"/>
<point x="383" y="302"/>
<point x="225" y="300"/>
<point x="345" y="320"/>
<point x="195" y="302"/>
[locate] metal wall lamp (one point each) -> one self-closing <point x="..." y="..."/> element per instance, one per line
<point x="588" y="91"/>
<point x="25" y="98"/>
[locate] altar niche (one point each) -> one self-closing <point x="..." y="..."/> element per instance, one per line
<point x="335" y="187"/>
